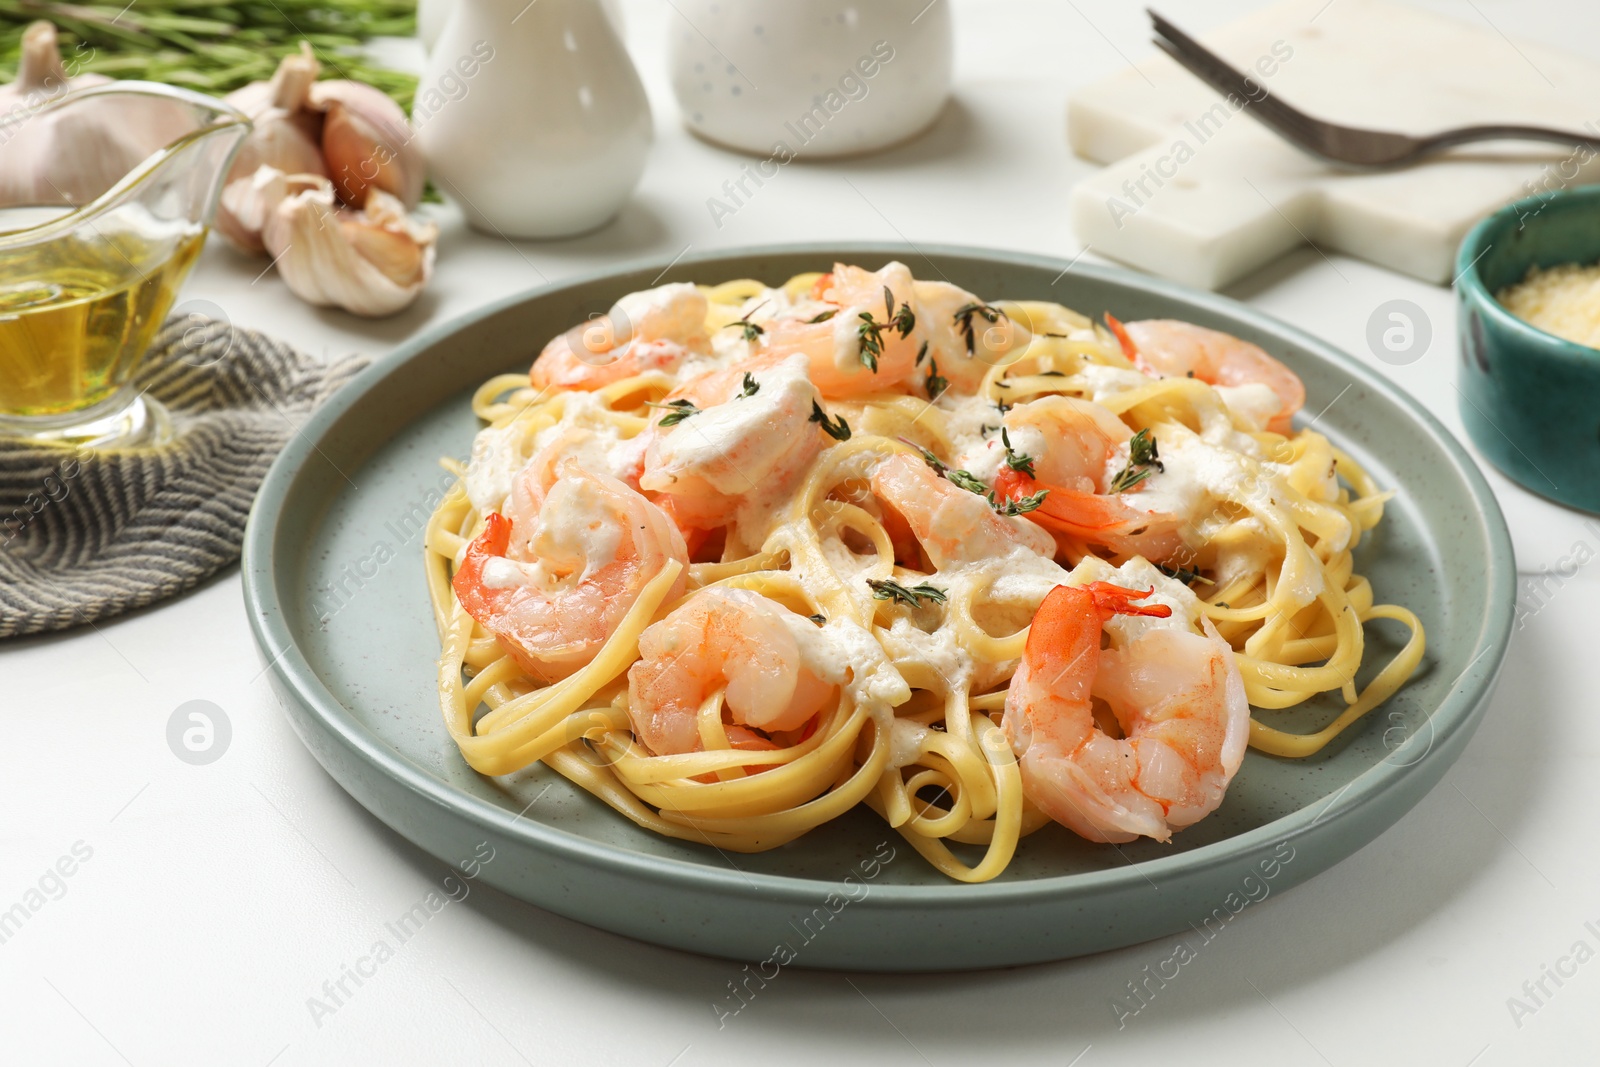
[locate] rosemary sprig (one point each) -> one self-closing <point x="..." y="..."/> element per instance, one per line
<point x="215" y="47"/>
<point x="751" y="386"/>
<point x="676" y="411"/>
<point x="911" y="596"/>
<point x="838" y="430"/>
<point x="1017" y="461"/>
<point x="963" y="321"/>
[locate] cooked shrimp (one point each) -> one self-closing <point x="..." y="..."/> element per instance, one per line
<point x="751" y="434"/>
<point x="965" y="336"/>
<point x="1074" y="445"/>
<point x="756" y="652"/>
<point x="1179" y="705"/>
<point x="869" y="344"/>
<point x="656" y="329"/>
<point x="1167" y="348"/>
<point x="553" y="582"/>
<point x="952" y="524"/>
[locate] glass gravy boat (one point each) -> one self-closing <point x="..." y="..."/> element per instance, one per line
<point x="94" y="247"/>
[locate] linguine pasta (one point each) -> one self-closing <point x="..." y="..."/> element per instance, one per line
<point x="1270" y="523"/>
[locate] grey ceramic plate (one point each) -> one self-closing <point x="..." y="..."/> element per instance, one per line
<point x="334" y="584"/>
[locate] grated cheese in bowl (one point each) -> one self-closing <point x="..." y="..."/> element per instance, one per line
<point x="1563" y="300"/>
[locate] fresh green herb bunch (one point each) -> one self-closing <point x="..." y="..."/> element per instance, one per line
<point x="214" y="47"/>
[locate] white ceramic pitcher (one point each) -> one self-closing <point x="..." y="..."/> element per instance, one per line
<point x="532" y="116"/>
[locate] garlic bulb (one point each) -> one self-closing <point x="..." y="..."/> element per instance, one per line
<point x="343" y="130"/>
<point x="104" y="138"/>
<point x="371" y="262"/>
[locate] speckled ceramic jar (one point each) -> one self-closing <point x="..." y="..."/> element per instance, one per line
<point x="802" y="78"/>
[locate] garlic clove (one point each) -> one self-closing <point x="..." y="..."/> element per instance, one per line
<point x="368" y="143"/>
<point x="247" y="204"/>
<point x="40" y="70"/>
<point x="372" y="262"/>
<point x="287" y="138"/>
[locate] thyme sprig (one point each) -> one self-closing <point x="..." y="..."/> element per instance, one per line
<point x="1022" y="504"/>
<point x="752" y="330"/>
<point x="1017" y="461"/>
<point x="928" y="457"/>
<point x="1143" y="461"/>
<point x="963" y="321"/>
<point x="970" y="482"/>
<point x="751" y="386"/>
<point x="935" y="382"/>
<point x="838" y="430"/>
<point x="1185" y="575"/>
<point x="676" y="411"/>
<point x="870" y="331"/>
<point x="911" y="596"/>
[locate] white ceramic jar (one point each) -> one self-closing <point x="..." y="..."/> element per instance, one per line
<point x="532" y="116"/>
<point x="433" y="14"/>
<point x="817" y="77"/>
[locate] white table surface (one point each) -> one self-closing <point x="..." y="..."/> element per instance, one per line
<point x="216" y="900"/>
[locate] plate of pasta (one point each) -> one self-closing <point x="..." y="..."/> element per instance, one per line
<point x="1023" y="611"/>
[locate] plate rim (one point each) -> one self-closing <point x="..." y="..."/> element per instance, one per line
<point x="294" y="674"/>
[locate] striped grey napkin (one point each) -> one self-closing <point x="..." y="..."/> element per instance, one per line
<point x="87" y="533"/>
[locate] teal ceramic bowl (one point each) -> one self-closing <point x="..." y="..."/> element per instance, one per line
<point x="1530" y="400"/>
<point x="339" y="606"/>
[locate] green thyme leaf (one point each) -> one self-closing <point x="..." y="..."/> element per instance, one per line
<point x="752" y="330"/>
<point x="904" y="320"/>
<point x="963" y="321"/>
<point x="1142" y="451"/>
<point x="935" y="381"/>
<point x="1186" y="576"/>
<point x="928" y="457"/>
<point x="871" y="333"/>
<point x="676" y="411"/>
<point x="1017" y="461"/>
<point x="751" y="386"/>
<point x="1023" y="504"/>
<point x="823" y="316"/>
<point x="968" y="481"/>
<point x="838" y="430"/>
<point x="1143" y="461"/>
<point x="911" y="596"/>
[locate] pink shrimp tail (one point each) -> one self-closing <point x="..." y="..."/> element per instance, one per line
<point x="1119" y="600"/>
<point x="468" y="582"/>
<point x="1120" y="332"/>
<point x="1059" y="619"/>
